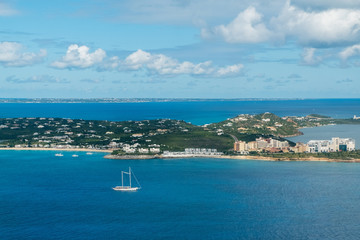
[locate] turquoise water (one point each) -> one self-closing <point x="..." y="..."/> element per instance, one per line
<point x="194" y="112"/>
<point x="48" y="197"/>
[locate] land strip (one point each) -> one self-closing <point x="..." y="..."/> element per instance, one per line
<point x="158" y="138"/>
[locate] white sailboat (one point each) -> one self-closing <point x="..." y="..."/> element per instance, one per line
<point x="127" y="188"/>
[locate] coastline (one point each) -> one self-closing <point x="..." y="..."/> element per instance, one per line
<point x="157" y="156"/>
<point x="310" y="159"/>
<point x="58" y="149"/>
<point x="255" y="158"/>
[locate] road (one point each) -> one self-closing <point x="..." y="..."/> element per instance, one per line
<point x="235" y="138"/>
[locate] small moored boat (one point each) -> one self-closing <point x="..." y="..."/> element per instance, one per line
<point x="59" y="155"/>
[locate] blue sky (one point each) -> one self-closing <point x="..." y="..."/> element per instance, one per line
<point x="180" y="48"/>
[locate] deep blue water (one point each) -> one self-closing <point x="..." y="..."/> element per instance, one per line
<point x="195" y="112"/>
<point x="47" y="197"/>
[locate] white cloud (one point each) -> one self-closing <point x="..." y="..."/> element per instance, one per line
<point x="196" y="12"/>
<point x="247" y="27"/>
<point x="12" y="55"/>
<point x="137" y="59"/>
<point x="328" y="27"/>
<point x="80" y="57"/>
<point x="6" y="10"/>
<point x="170" y="11"/>
<point x="230" y="70"/>
<point x="350" y="51"/>
<point x="309" y="57"/>
<point x="154" y="64"/>
<point x="163" y="65"/>
<point x="36" y="79"/>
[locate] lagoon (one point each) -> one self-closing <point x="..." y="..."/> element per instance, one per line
<point x="327" y="132"/>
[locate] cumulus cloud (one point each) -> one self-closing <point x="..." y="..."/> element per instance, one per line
<point x="309" y="57"/>
<point x="247" y="27"/>
<point x="137" y="59"/>
<point x="12" y="54"/>
<point x="327" y="27"/>
<point x="153" y="64"/>
<point x="230" y="70"/>
<point x="196" y="12"/>
<point x="324" y="28"/>
<point x="170" y="11"/>
<point x="36" y="79"/>
<point x="163" y="65"/>
<point x="80" y="57"/>
<point x="350" y="51"/>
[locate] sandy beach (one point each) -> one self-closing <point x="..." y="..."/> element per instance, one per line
<point x="142" y="157"/>
<point x="310" y="159"/>
<point x="256" y="158"/>
<point x="59" y="149"/>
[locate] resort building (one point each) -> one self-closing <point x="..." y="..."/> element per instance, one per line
<point x="334" y="145"/>
<point x="299" y="148"/>
<point x="194" y="152"/>
<point x="261" y="144"/>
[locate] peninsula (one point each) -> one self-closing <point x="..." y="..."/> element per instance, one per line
<point x="162" y="137"/>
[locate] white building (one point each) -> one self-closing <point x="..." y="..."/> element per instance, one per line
<point x="334" y="145"/>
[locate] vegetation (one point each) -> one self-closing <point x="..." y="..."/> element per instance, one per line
<point x="297" y="156"/>
<point x="156" y="136"/>
<point x="317" y="116"/>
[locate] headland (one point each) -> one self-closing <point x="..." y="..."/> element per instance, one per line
<point x="165" y="138"/>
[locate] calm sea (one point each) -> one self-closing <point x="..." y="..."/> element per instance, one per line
<point x="194" y="112"/>
<point x="48" y="197"/>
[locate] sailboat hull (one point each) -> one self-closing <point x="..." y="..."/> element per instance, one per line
<point x="125" y="188"/>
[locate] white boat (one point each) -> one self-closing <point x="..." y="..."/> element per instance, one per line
<point x="75" y="155"/>
<point x="89" y="153"/>
<point x="128" y="188"/>
<point x="59" y="155"/>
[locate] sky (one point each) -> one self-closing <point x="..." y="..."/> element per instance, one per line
<point x="179" y="49"/>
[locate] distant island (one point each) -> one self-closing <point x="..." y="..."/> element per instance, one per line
<point x="168" y="137"/>
<point x="130" y="100"/>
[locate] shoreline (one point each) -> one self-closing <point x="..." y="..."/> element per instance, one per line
<point x="146" y="157"/>
<point x="310" y="159"/>
<point x="254" y="158"/>
<point x="58" y="149"/>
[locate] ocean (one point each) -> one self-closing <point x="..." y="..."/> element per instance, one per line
<point x="195" y="112"/>
<point x="48" y="197"/>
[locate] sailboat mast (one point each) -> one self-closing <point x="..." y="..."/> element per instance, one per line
<point x="122" y="178"/>
<point x="130" y="176"/>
